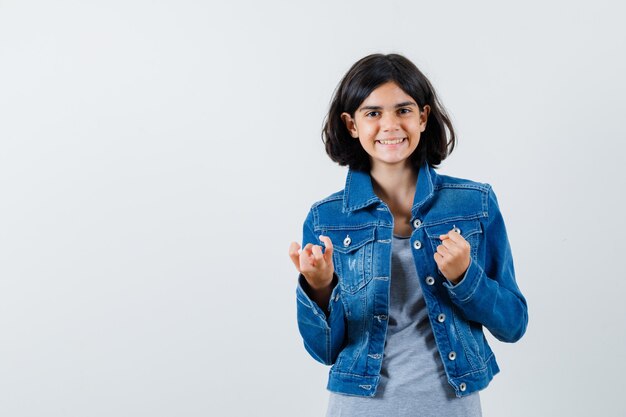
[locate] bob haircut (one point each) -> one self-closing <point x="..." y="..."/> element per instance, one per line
<point x="364" y="77"/>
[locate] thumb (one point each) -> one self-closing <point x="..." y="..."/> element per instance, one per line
<point x="328" y="253"/>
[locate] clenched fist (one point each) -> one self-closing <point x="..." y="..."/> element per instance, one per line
<point x="453" y="256"/>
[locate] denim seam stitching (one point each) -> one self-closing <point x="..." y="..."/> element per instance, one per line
<point x="486" y="200"/>
<point x="362" y="205"/>
<point x="472" y="289"/>
<point x="334" y="197"/>
<point x="477" y="216"/>
<point x="477" y="371"/>
<point x="334" y="372"/>
<point x="477" y="187"/>
<point x="466" y="348"/>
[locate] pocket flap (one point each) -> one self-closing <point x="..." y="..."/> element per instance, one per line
<point x="347" y="240"/>
<point x="466" y="228"/>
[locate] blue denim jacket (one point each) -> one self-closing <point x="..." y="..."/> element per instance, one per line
<point x="350" y="336"/>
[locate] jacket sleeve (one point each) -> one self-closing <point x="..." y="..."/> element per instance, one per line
<point x="488" y="293"/>
<point x="322" y="332"/>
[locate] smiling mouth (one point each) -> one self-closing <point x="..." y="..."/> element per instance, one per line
<point x="391" y="141"/>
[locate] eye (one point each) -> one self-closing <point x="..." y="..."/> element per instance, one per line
<point x="404" y="111"/>
<point x="372" y="114"/>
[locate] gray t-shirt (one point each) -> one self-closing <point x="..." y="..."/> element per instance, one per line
<point x="413" y="381"/>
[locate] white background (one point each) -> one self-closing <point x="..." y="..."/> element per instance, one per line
<point x="158" y="157"/>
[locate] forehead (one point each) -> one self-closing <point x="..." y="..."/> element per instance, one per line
<point x="387" y="94"/>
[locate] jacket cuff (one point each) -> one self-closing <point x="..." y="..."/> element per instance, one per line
<point x="312" y="305"/>
<point x="466" y="287"/>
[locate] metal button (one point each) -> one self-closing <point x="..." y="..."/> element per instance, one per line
<point x="417" y="223"/>
<point x="417" y="244"/>
<point x="430" y="280"/>
<point x="347" y="241"/>
<point x="441" y="318"/>
<point x="456" y="229"/>
<point x="462" y="387"/>
<point x="452" y="355"/>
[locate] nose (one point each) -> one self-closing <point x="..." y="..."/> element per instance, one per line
<point x="389" y="122"/>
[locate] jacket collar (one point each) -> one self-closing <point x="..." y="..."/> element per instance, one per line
<point x="359" y="192"/>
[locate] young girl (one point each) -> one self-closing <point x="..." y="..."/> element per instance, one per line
<point x="401" y="270"/>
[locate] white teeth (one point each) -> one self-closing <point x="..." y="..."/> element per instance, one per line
<point x="391" y="142"/>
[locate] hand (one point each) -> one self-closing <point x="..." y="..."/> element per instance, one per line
<point x="453" y="256"/>
<point x="317" y="267"/>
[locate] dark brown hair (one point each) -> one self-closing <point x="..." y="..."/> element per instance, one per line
<point x="436" y="142"/>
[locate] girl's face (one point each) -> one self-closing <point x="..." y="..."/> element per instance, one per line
<point x="388" y="124"/>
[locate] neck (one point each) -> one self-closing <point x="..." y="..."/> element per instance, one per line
<point x="395" y="185"/>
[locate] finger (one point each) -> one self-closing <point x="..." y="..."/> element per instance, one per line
<point x="307" y="249"/>
<point x="294" y="247"/>
<point x="451" y="249"/>
<point x="305" y="261"/>
<point x="306" y="257"/>
<point x="457" y="242"/>
<point x="448" y="244"/>
<point x="456" y="236"/>
<point x="328" y="253"/>
<point x="317" y="254"/>
<point x="294" y="255"/>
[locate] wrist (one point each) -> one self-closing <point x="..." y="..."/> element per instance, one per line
<point x="320" y="287"/>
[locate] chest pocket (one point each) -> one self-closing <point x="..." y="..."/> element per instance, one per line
<point x="352" y="257"/>
<point x="470" y="230"/>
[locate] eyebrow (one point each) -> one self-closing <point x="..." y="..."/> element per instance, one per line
<point x="403" y="104"/>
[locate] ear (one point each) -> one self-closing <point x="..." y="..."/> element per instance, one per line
<point x="424" y="117"/>
<point x="350" y="124"/>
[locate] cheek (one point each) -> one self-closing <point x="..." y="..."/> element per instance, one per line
<point x="367" y="133"/>
<point x="365" y="143"/>
<point x="366" y="127"/>
<point x="415" y="127"/>
<point x="415" y="139"/>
